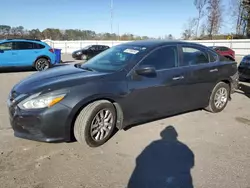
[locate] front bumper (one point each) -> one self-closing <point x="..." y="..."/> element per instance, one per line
<point x="48" y="125"/>
<point x="76" y="56"/>
<point x="244" y="72"/>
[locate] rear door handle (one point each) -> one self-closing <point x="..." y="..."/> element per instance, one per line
<point x="213" y="70"/>
<point x="178" y="78"/>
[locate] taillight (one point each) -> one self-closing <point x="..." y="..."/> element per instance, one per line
<point x="51" y="50"/>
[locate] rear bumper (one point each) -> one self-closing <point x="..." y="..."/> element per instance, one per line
<point x="235" y="82"/>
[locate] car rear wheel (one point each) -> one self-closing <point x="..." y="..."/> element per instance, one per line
<point x="42" y="64"/>
<point x="84" y="57"/>
<point x="219" y="98"/>
<point x="95" y="123"/>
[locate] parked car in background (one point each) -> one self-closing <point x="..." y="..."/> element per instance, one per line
<point x="225" y="52"/>
<point x="244" y="68"/>
<point x="129" y="83"/>
<point x="89" y="52"/>
<point x="26" y="53"/>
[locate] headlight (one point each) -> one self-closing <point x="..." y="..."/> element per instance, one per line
<point x="38" y="101"/>
<point x="78" y="53"/>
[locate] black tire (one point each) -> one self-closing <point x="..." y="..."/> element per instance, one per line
<point x="82" y="126"/>
<point x="84" y="57"/>
<point x="212" y="104"/>
<point x="42" y="64"/>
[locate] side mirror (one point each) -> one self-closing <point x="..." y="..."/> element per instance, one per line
<point x="146" y="70"/>
<point x="1" y="51"/>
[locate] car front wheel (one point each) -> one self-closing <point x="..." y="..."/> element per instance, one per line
<point x="84" y="57"/>
<point x="219" y="98"/>
<point x="95" y="123"/>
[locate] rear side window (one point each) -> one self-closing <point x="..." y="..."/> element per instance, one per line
<point x="6" y="46"/>
<point x="194" y="56"/>
<point x="38" y="46"/>
<point x="213" y="57"/>
<point x="224" y="49"/>
<point x="23" y="45"/>
<point x="163" y="58"/>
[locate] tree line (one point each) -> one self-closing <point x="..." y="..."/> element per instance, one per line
<point x="212" y="15"/>
<point x="7" y="31"/>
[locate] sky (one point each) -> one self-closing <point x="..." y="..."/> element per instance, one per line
<point x="152" y="18"/>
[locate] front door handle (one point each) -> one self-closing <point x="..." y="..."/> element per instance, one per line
<point x="213" y="70"/>
<point x="178" y="78"/>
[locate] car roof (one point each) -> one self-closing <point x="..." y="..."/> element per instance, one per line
<point x="99" y="45"/>
<point x="157" y="43"/>
<point x="218" y="46"/>
<point x="21" y="40"/>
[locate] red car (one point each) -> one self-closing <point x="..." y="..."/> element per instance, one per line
<point x="224" y="51"/>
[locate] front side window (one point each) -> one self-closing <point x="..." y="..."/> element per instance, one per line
<point x="38" y="46"/>
<point x="194" y="56"/>
<point x="6" y="46"/>
<point x="163" y="58"/>
<point x="114" y="58"/>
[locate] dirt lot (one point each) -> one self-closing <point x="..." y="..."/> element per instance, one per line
<point x="213" y="149"/>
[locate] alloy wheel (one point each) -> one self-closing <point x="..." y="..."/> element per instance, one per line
<point x="220" y="98"/>
<point x="101" y="125"/>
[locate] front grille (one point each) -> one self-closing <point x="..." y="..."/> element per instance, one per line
<point x="244" y="70"/>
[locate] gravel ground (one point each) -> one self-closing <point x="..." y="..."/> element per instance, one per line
<point x="211" y="150"/>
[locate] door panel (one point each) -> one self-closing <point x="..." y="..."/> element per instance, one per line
<point x="158" y="96"/>
<point x="201" y="74"/>
<point x="26" y="54"/>
<point x="8" y="56"/>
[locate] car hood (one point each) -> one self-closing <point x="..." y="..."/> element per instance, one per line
<point x="55" y="78"/>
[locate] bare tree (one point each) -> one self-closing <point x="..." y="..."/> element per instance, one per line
<point x="203" y="30"/>
<point x="199" y="4"/>
<point x="238" y="16"/>
<point x="214" y="17"/>
<point x="189" y="29"/>
<point x="246" y="5"/>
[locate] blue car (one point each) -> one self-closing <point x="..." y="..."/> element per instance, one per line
<point x="26" y="53"/>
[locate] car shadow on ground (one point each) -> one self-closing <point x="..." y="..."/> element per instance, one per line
<point x="166" y="162"/>
<point x="244" y="89"/>
<point x="13" y="70"/>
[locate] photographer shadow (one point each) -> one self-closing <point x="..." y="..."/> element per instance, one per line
<point x="166" y="162"/>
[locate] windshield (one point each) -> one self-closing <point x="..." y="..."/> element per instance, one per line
<point x="86" y="47"/>
<point x="113" y="59"/>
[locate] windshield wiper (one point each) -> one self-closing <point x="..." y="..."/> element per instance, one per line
<point x="79" y="65"/>
<point x="87" y="68"/>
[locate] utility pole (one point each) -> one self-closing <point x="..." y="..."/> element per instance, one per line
<point x="111" y="18"/>
<point x="118" y="32"/>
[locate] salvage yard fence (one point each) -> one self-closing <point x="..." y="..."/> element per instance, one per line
<point x="240" y="46"/>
